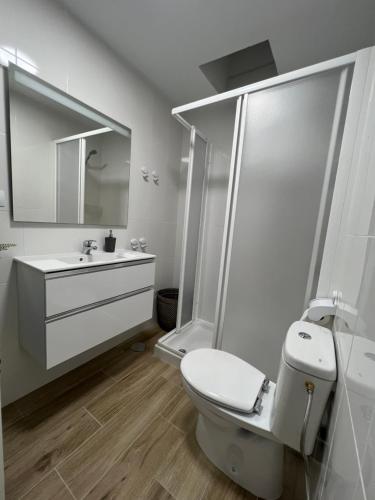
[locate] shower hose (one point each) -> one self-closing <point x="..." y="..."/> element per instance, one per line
<point x="309" y="386"/>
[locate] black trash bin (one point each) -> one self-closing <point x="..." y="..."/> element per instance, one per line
<point x="166" y="307"/>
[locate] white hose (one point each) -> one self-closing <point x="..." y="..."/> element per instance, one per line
<point x="310" y="392"/>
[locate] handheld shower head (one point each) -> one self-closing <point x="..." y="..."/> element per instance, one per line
<point x="91" y="153"/>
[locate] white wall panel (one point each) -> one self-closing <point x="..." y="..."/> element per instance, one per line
<point x="350" y="446"/>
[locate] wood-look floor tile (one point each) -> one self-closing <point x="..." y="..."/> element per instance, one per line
<point x="289" y="479"/>
<point x="50" y="487"/>
<point x="227" y="491"/>
<point x="10" y="414"/>
<point x="221" y="487"/>
<point x="157" y="492"/>
<point x="27" y="467"/>
<point x="149" y="336"/>
<point x="154" y="337"/>
<point x="96" y="456"/>
<point x="293" y="477"/>
<point x="53" y="390"/>
<point x="135" y="440"/>
<point x="138" y="385"/>
<point x="299" y="492"/>
<point x="128" y="362"/>
<point x="56" y="389"/>
<point x="181" y="412"/>
<point x="132" y="475"/>
<point x="191" y="475"/>
<point x="42" y="422"/>
<point x="173" y="374"/>
<point x="188" y="473"/>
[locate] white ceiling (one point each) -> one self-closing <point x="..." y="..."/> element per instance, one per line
<point x="167" y="40"/>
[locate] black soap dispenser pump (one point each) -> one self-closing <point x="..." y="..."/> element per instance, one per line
<point x="110" y="242"/>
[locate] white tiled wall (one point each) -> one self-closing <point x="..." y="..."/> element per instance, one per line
<point x="348" y="471"/>
<point x="47" y="40"/>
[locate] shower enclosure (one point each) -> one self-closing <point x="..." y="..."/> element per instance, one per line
<point x="260" y="240"/>
<point x="92" y="177"/>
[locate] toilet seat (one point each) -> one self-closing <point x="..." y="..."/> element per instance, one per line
<point x="223" y="379"/>
<point x="260" y="424"/>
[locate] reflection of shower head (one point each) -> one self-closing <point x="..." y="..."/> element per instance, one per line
<point x="91" y="153"/>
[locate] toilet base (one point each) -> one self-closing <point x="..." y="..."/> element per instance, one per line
<point x="252" y="461"/>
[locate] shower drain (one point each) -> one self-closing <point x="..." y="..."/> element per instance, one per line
<point x="184" y="351"/>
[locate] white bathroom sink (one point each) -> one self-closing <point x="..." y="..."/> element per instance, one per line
<point x="74" y="260"/>
<point x="95" y="257"/>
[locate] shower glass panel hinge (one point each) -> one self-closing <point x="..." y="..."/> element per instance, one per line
<point x="266" y="385"/>
<point x="258" y="406"/>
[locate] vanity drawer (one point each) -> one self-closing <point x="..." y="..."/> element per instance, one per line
<point x="75" y="334"/>
<point x="77" y="290"/>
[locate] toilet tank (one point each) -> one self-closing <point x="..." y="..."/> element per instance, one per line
<point x="308" y="355"/>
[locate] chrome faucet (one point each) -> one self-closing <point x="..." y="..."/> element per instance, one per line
<point x="89" y="245"/>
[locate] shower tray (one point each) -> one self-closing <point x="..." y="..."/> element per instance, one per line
<point x="195" y="335"/>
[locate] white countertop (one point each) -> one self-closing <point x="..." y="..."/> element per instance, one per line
<point x="76" y="260"/>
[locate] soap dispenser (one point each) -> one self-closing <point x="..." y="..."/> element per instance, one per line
<point x="110" y="242"/>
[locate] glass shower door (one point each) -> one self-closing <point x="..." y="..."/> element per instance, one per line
<point x="290" y="138"/>
<point x="191" y="235"/>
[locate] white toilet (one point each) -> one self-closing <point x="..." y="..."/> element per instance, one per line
<point x="244" y="420"/>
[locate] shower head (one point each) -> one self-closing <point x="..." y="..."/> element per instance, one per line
<point x="91" y="153"/>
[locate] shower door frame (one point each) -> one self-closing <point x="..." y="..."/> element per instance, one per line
<point x="194" y="132"/>
<point x="360" y="62"/>
<point x="81" y="138"/>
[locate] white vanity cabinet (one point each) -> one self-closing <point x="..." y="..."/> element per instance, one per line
<point x="66" y="312"/>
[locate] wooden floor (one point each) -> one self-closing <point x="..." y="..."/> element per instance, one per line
<point x="118" y="427"/>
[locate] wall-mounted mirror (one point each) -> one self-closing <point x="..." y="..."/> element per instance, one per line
<point x="70" y="163"/>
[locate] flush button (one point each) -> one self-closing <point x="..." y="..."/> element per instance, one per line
<point x="304" y="335"/>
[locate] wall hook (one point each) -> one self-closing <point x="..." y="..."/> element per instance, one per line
<point x="143" y="243"/>
<point x="134" y="243"/>
<point x="155" y="177"/>
<point x="145" y="173"/>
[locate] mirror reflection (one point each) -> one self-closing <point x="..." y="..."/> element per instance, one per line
<point x="70" y="163"/>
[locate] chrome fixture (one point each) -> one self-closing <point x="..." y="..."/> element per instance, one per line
<point x="89" y="245"/>
<point x="91" y="153"/>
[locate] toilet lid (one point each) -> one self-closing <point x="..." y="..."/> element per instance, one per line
<point x="223" y="378"/>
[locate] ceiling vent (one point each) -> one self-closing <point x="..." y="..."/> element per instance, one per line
<point x="246" y="66"/>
